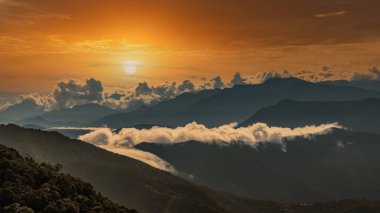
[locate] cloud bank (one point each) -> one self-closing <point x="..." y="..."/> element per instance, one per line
<point x="72" y="92"/>
<point x="226" y="134"/>
<point x="124" y="141"/>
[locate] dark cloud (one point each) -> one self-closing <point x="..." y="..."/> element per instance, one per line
<point x="238" y="80"/>
<point x="186" y="86"/>
<point x="217" y="83"/>
<point x="326" y="75"/>
<point x="143" y="89"/>
<point x="116" y="96"/>
<point x="376" y="72"/>
<point x="326" y="68"/>
<point x="71" y="93"/>
<point x="361" y="77"/>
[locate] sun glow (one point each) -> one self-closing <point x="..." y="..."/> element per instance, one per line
<point x="130" y="67"/>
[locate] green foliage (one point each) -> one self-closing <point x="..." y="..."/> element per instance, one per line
<point x="27" y="187"/>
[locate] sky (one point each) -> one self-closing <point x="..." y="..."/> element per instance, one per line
<point x="122" y="42"/>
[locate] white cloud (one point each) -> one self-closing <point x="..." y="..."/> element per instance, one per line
<point x="145" y="157"/>
<point x="225" y="134"/>
<point x="332" y="14"/>
<point x="126" y="139"/>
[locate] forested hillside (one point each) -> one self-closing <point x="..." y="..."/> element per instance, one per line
<point x="27" y="186"/>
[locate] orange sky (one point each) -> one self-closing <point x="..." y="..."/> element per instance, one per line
<point x="45" y="41"/>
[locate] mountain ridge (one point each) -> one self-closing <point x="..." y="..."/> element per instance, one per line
<point x="359" y="115"/>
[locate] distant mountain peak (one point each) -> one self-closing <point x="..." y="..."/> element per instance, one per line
<point x="289" y="80"/>
<point x="90" y="105"/>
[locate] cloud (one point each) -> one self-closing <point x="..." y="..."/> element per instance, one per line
<point x="332" y="14"/>
<point x="145" y="157"/>
<point x="326" y="75"/>
<point x="125" y="140"/>
<point x="72" y="93"/>
<point x="326" y="68"/>
<point x="238" y="80"/>
<point x="101" y="141"/>
<point x="143" y="89"/>
<point x="217" y="83"/>
<point x="186" y="86"/>
<point x="214" y="83"/>
<point x="268" y="75"/>
<point x="117" y="96"/>
<point x="374" y="74"/>
<point x="226" y="134"/>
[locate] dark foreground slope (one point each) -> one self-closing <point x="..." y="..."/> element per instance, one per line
<point x="124" y="180"/>
<point x="214" y="108"/>
<point x="341" y="165"/>
<point x="359" y="115"/>
<point x="26" y="186"/>
<point x="131" y="182"/>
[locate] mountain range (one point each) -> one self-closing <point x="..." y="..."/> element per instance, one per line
<point x="209" y="107"/>
<point x="358" y="115"/>
<point x="365" y="84"/>
<point x="29" y="113"/>
<point x="340" y="165"/>
<point x="218" y="107"/>
<point x="19" y="111"/>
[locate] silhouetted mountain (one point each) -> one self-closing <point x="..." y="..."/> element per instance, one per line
<point x="75" y="116"/>
<point x="26" y="108"/>
<point x="123" y="179"/>
<point x="80" y="113"/>
<point x="365" y="84"/>
<point x="33" y="126"/>
<point x="163" y="113"/>
<point x="41" y="121"/>
<point x="27" y="186"/>
<point x="236" y="104"/>
<point x="335" y="166"/>
<point x="360" y="115"/>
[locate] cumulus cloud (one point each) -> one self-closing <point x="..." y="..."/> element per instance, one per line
<point x="376" y="72"/>
<point x="214" y="83"/>
<point x="71" y="93"/>
<point x="186" y="86"/>
<point x="238" y="80"/>
<point x="217" y="83"/>
<point x="116" y="96"/>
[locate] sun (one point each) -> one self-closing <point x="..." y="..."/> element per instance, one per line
<point x="130" y="67"/>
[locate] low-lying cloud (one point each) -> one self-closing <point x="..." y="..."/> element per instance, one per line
<point x="124" y="141"/>
<point x="226" y="134"/>
<point x="145" y="157"/>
